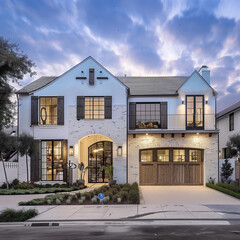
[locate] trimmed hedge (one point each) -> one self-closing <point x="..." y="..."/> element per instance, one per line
<point x="223" y="190"/>
<point x="11" y="215"/>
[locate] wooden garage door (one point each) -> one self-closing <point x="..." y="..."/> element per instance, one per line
<point x="170" y="172"/>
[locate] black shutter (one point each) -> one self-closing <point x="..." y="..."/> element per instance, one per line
<point x="80" y="107"/>
<point x="35" y="162"/>
<point x="34" y="110"/>
<point x="65" y="154"/>
<point x="108" y="107"/>
<point x="132" y="115"/>
<point x="91" y="76"/>
<point x="60" y="110"/>
<point x="164" y="115"/>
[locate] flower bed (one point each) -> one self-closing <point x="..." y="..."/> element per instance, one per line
<point x="11" y="215"/>
<point x="116" y="194"/>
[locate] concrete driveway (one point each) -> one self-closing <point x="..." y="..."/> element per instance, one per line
<point x="184" y="195"/>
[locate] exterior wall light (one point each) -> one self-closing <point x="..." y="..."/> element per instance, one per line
<point x="119" y="151"/>
<point x="182" y="101"/>
<point x="71" y="151"/>
<point x="206" y="102"/>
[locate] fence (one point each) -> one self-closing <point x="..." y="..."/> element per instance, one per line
<point x="11" y="169"/>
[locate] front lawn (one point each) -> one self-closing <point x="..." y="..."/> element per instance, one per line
<point x="11" y="215"/>
<point x="230" y="189"/>
<point x="116" y="194"/>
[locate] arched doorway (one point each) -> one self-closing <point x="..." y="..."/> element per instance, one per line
<point x="99" y="155"/>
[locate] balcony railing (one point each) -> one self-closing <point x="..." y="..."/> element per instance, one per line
<point x="178" y="122"/>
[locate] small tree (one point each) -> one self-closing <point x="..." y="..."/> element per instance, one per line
<point x="233" y="146"/>
<point x="227" y="171"/>
<point x="7" y="145"/>
<point x="27" y="148"/>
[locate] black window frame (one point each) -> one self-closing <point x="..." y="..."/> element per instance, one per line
<point x="194" y="127"/>
<point x="93" y="107"/>
<point x="231" y="122"/>
<point x="40" y="110"/>
<point x="139" y="103"/>
<point x="52" y="155"/>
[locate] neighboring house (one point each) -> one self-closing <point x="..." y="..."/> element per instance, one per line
<point x="154" y="130"/>
<point x="228" y="123"/>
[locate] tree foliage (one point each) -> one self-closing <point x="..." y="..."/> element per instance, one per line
<point x="14" y="65"/>
<point x="227" y="171"/>
<point x="233" y="145"/>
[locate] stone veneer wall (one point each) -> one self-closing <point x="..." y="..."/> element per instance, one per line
<point x="203" y="141"/>
<point x="115" y="129"/>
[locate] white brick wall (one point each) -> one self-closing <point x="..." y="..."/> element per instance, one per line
<point x="203" y="141"/>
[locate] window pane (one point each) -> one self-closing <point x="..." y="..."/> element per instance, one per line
<point x="179" y="155"/>
<point x="48" y="110"/>
<point x="195" y="155"/>
<point x="146" y="156"/>
<point x="163" y="155"/>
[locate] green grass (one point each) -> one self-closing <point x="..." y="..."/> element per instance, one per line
<point x="218" y="187"/>
<point x="37" y="190"/>
<point x="11" y="215"/>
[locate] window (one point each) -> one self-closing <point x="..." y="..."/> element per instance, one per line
<point x="163" y="155"/>
<point x="52" y="161"/>
<point x="226" y="153"/>
<point x="179" y="155"/>
<point x="195" y="155"/>
<point x="146" y="156"/>
<point x="148" y="115"/>
<point x="194" y="112"/>
<point x="48" y="110"/>
<point x="231" y="122"/>
<point x="94" y="107"/>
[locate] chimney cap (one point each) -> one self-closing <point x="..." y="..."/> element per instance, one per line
<point x="203" y="67"/>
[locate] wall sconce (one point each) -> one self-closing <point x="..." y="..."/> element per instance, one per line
<point x="182" y="101"/>
<point x="71" y="151"/>
<point x="206" y="102"/>
<point x="119" y="151"/>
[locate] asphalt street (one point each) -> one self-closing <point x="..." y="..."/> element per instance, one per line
<point x="125" y="231"/>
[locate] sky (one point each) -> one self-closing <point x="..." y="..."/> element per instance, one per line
<point x="132" y="37"/>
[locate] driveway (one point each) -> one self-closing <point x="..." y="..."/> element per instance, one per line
<point x="183" y="195"/>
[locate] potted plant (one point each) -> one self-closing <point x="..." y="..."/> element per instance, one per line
<point x="109" y="171"/>
<point x="83" y="170"/>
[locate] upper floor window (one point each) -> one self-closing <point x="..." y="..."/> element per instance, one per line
<point x="148" y="115"/>
<point x="194" y="112"/>
<point x="48" y="110"/>
<point x="94" y="107"/>
<point x="231" y="122"/>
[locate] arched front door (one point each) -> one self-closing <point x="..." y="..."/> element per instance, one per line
<point x="99" y="155"/>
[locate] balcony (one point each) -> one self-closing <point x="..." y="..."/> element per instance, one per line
<point x="176" y="122"/>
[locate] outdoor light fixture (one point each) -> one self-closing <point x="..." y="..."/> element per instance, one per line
<point x="182" y="101"/>
<point x="71" y="151"/>
<point x="206" y="102"/>
<point x="119" y="151"/>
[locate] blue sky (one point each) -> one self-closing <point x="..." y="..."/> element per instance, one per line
<point x="133" y="37"/>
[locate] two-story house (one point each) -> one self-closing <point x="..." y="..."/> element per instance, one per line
<point x="228" y="123"/>
<point x="153" y="130"/>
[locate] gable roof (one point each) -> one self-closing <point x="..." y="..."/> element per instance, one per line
<point x="140" y="86"/>
<point x="229" y="109"/>
<point x="37" y="84"/>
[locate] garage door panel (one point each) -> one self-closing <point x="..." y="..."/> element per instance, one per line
<point x="164" y="172"/>
<point x="147" y="174"/>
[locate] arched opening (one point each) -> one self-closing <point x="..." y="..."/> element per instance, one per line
<point x="99" y="155"/>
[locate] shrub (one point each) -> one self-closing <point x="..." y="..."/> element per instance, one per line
<point x="78" y="195"/>
<point x="113" y="191"/>
<point x="11" y="215"/>
<point x="96" y="191"/>
<point x="115" y="197"/>
<point x="108" y="194"/>
<point x="224" y="190"/>
<point x="87" y="195"/>
<point x="124" y="195"/>
<point x="80" y="201"/>
<point x="49" y="201"/>
<point x="134" y="196"/>
<point x="69" y="201"/>
<point x="231" y="187"/>
<point x="4" y="186"/>
<point x="116" y="187"/>
<point x="105" y="200"/>
<point x="15" y="182"/>
<point x="56" y="185"/>
<point x="227" y="171"/>
<point x="94" y="200"/>
<point x="104" y="188"/>
<point x="126" y="186"/>
<point x="119" y="200"/>
<point x="83" y="198"/>
<point x="58" y="201"/>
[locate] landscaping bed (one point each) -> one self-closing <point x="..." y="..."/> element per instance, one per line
<point x="11" y="215"/>
<point x="230" y="189"/>
<point x="17" y="188"/>
<point x="116" y="194"/>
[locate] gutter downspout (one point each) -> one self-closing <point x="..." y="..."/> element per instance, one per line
<point x="127" y="138"/>
<point x="18" y="132"/>
<point x="218" y="134"/>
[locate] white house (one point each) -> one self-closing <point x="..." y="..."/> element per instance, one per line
<point x="153" y="130"/>
<point x="228" y="123"/>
